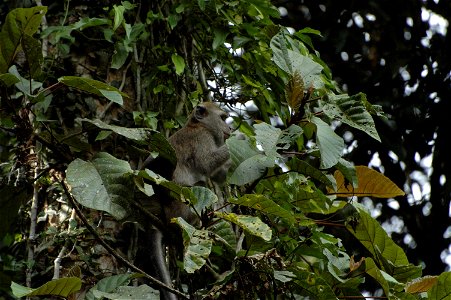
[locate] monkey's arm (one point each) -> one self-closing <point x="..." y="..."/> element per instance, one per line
<point x="211" y="159"/>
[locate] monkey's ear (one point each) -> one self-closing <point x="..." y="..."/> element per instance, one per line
<point x="200" y="112"/>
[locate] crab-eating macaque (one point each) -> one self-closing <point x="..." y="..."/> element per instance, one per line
<point x="201" y="155"/>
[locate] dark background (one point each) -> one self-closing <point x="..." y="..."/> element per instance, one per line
<point x="388" y="51"/>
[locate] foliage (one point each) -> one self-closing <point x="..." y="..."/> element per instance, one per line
<point x="399" y="59"/>
<point x="291" y="201"/>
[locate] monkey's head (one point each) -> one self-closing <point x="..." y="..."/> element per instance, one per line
<point x="211" y="117"/>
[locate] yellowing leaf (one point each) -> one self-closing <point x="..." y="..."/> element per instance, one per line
<point x="250" y="224"/>
<point x="371" y="183"/>
<point x="353" y="265"/>
<point x="295" y="91"/>
<point x="420" y="285"/>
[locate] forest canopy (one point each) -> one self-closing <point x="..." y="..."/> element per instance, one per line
<point x="88" y="93"/>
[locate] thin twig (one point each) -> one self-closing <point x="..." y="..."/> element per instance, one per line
<point x="59" y="258"/>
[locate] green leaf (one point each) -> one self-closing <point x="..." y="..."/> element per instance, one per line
<point x="284" y="276"/>
<point x="102" y="184"/>
<point x="313" y="284"/>
<point x="197" y="246"/>
<point x="110" y="284"/>
<point x="160" y="180"/>
<point x="330" y="144"/>
<point x="352" y="111"/>
<point x="120" y="56"/>
<point x="113" y="96"/>
<point x="280" y="53"/>
<point x="24" y="85"/>
<point x="219" y="38"/>
<point x="201" y="4"/>
<point x="348" y="170"/>
<point x="262" y="10"/>
<point x="18" y="22"/>
<point x="62" y="287"/>
<point x="33" y="53"/>
<point x="309" y="199"/>
<point x="248" y="164"/>
<point x="205" y="198"/>
<point x="86" y="22"/>
<point x="118" y="16"/>
<point x="293" y="62"/>
<point x="136" y="134"/>
<point x="389" y="256"/>
<point x="308" y="170"/>
<point x="142" y="292"/>
<point x="224" y="233"/>
<point x="268" y="136"/>
<point x="264" y="205"/>
<point x="251" y="225"/>
<point x="372" y="270"/>
<point x="94" y="87"/>
<point x="442" y="289"/>
<point x="173" y="20"/>
<point x="156" y="140"/>
<point x="179" y="63"/>
<point x="8" y="79"/>
<point x="103" y="135"/>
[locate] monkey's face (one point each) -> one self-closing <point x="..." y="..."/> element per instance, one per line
<point x="213" y="118"/>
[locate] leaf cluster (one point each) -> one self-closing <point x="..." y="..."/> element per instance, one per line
<point x="290" y="210"/>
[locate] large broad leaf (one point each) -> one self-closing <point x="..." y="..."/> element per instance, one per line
<point x="156" y="140"/>
<point x="248" y="164"/>
<point x="19" y="22"/>
<point x="137" y="134"/>
<point x="442" y="290"/>
<point x="204" y="198"/>
<point x="348" y="170"/>
<point x="94" y="87"/>
<point x="142" y="292"/>
<point x="103" y="184"/>
<point x="60" y="287"/>
<point x="352" y="111"/>
<point x="309" y="199"/>
<point x="294" y="91"/>
<point x="24" y="85"/>
<point x="371" y="184"/>
<point x="267" y="137"/>
<point x="313" y="285"/>
<point x="294" y="62"/>
<point x="422" y="284"/>
<point x="197" y="246"/>
<point x="33" y="53"/>
<point x="388" y="256"/>
<point x="8" y="79"/>
<point x="308" y="170"/>
<point x="330" y="144"/>
<point x="110" y="284"/>
<point x="224" y="233"/>
<point x="385" y="280"/>
<point x="249" y="224"/>
<point x="264" y="205"/>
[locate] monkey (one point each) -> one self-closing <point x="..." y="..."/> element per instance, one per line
<point x="202" y="155"/>
<point x="200" y="146"/>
